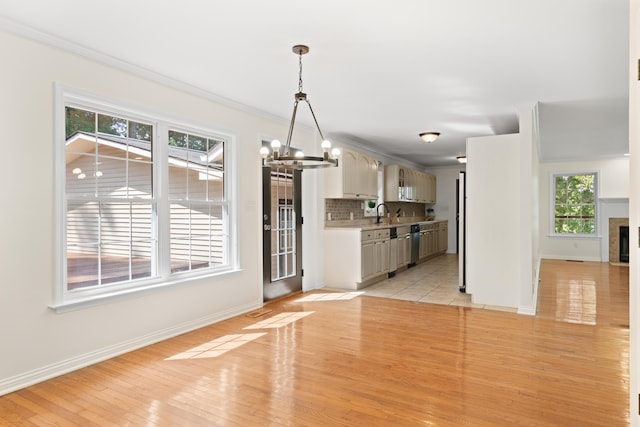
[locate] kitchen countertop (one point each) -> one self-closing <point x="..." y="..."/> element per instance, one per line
<point x="368" y="225"/>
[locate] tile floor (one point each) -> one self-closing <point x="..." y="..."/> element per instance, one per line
<point x="434" y="281"/>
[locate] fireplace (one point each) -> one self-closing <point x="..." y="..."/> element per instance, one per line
<point x="624" y="243"/>
<point x="619" y="240"/>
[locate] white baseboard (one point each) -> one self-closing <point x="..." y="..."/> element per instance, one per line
<point x="35" y="376"/>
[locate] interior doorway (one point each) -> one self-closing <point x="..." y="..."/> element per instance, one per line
<point x="282" y="232"/>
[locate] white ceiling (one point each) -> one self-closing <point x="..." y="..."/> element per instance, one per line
<point x="380" y="72"/>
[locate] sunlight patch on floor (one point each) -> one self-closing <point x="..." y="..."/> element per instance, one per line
<point x="280" y="320"/>
<point x="217" y="346"/>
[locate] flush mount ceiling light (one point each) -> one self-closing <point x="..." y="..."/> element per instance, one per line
<point x="282" y="155"/>
<point x="462" y="159"/>
<point x="429" y="136"/>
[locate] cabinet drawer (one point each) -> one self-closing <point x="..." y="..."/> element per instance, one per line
<point x="381" y="234"/>
<point x="367" y="235"/>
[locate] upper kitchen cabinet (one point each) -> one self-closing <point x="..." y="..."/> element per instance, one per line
<point x="356" y="177"/>
<point x="403" y="184"/>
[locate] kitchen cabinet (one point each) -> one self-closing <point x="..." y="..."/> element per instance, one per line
<point x="443" y="237"/>
<point x="433" y="239"/>
<point x="358" y="257"/>
<point x="355" y="177"/>
<point x="374" y="253"/>
<point x="355" y="258"/>
<point x="403" y="184"/>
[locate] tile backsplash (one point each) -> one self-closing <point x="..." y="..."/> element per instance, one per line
<point x="342" y="209"/>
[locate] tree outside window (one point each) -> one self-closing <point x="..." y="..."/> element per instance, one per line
<point x="575" y="204"/>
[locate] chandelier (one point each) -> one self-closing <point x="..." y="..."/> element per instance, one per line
<point x="280" y="155"/>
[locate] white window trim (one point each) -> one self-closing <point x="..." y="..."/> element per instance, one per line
<point x="552" y="204"/>
<point x="64" y="300"/>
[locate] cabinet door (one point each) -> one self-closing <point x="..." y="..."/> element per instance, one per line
<point x="366" y="176"/>
<point x="421" y="187"/>
<point x="401" y="252"/>
<point x="368" y="255"/>
<point x="349" y="174"/>
<point x="382" y="256"/>
<point x="372" y="179"/>
<point x="443" y="243"/>
<point x="402" y="184"/>
<point x="424" y="244"/>
<point x="431" y="196"/>
<point x="407" y="250"/>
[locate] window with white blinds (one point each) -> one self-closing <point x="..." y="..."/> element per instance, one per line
<point x="144" y="201"/>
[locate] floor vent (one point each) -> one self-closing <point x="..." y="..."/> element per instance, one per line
<point x="574" y="260"/>
<point x="259" y="313"/>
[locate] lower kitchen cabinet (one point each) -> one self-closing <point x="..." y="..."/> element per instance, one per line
<point x="356" y="258"/>
<point x="353" y="258"/>
<point x="429" y="239"/>
<point x="374" y="253"/>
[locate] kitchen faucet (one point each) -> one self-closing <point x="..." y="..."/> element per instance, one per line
<point x="378" y="212"/>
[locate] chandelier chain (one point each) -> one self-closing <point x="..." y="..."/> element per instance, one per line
<point x="300" y="72"/>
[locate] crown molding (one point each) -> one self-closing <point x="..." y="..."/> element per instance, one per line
<point x="48" y="39"/>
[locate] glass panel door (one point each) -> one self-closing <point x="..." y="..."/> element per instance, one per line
<point x="282" y="240"/>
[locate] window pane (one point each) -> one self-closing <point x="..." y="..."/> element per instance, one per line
<point x="79" y="120"/>
<point x="574" y="211"/>
<point x="140" y="131"/>
<point x="589" y="227"/>
<point x="178" y="182"/>
<point x="588" y="211"/>
<point x="112" y="125"/>
<point x="197" y="236"/>
<point x="178" y="139"/>
<point x="215" y="170"/>
<point x="82" y="226"/>
<point x="588" y="196"/>
<point x="561" y="211"/>
<point x="80" y="179"/>
<point x="140" y="179"/>
<point x="196" y="167"/>
<point x="574" y="197"/>
<point x="197" y="143"/>
<point x="113" y="179"/>
<point x="561" y="189"/>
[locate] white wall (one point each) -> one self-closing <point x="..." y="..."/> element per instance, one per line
<point x="613" y="183"/>
<point x="528" y="228"/>
<point x="494" y="240"/>
<point x="38" y="343"/>
<point x="634" y="211"/>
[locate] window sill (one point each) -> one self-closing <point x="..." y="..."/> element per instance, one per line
<point x="82" y="302"/>
<point x="574" y="236"/>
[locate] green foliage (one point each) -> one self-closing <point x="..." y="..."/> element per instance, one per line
<point x="85" y="121"/>
<point x="574" y="209"/>
<point x="79" y="120"/>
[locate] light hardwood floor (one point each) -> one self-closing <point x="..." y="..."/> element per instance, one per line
<point x="347" y="359"/>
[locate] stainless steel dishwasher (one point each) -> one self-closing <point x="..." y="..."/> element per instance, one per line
<point x="393" y="251"/>
<point x="415" y="244"/>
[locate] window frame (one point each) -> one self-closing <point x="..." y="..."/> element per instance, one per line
<point x="552" y="204"/>
<point x="64" y="299"/>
